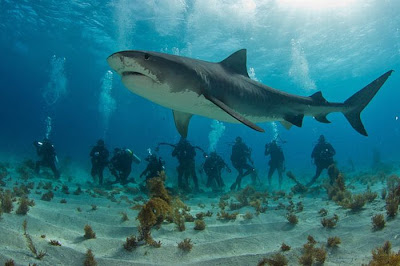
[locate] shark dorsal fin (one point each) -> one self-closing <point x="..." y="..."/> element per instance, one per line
<point x="237" y="62"/>
<point x="318" y="97"/>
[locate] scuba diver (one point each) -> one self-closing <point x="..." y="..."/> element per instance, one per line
<point x="48" y="157"/>
<point x="323" y="157"/>
<point x="277" y="161"/>
<point x="185" y="153"/>
<point x="213" y="167"/>
<point x="120" y="165"/>
<point x="154" y="167"/>
<point x="240" y="155"/>
<point x="99" y="157"/>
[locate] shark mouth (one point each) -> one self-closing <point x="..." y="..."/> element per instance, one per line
<point x="132" y="73"/>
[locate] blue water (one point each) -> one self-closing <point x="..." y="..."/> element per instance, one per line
<point x="296" y="48"/>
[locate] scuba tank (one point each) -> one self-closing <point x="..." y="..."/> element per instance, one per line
<point x="135" y="158"/>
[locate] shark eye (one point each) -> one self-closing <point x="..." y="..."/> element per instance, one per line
<point x="146" y="56"/>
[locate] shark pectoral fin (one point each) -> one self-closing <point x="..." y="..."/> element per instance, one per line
<point x="286" y="124"/>
<point x="296" y="120"/>
<point x="232" y="113"/>
<point x="182" y="122"/>
<point x="322" y="118"/>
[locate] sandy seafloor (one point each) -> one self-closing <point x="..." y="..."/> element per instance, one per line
<point x="239" y="242"/>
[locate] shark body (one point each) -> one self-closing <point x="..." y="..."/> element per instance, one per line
<point x="225" y="92"/>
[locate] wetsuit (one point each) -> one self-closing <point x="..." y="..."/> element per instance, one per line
<point x="185" y="153"/>
<point x="323" y="157"/>
<point x="99" y="157"/>
<point x="240" y="155"/>
<point x="154" y="167"/>
<point x="276" y="162"/>
<point x="213" y="167"/>
<point x="121" y="165"/>
<point x="47" y="153"/>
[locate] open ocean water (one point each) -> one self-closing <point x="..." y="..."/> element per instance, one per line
<point x="55" y="82"/>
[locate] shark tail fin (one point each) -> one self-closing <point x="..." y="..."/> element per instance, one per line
<point x="356" y="103"/>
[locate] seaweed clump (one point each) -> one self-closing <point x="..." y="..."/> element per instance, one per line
<point x="330" y="222"/>
<point x="222" y="215"/>
<point x="199" y="225"/>
<point x="131" y="243"/>
<point x="248" y="216"/>
<point x="6" y="202"/>
<point x="276" y="259"/>
<point x="353" y="202"/>
<point x="155" y="210"/>
<point x="23" y="206"/>
<point x="285" y="247"/>
<point x="338" y="193"/>
<point x="55" y="243"/>
<point x="186" y="245"/>
<point x="124" y="217"/>
<point x="89" y="259"/>
<point x="38" y="255"/>
<point x="384" y="256"/>
<point x="333" y="241"/>
<point x="323" y="212"/>
<point x="89" y="233"/>
<point x="336" y="189"/>
<point x="248" y="197"/>
<point x="392" y="205"/>
<point x="47" y="196"/>
<point x="292" y="218"/>
<point x="378" y="222"/>
<point x="311" y="253"/>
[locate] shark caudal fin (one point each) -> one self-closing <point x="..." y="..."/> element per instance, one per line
<point x="356" y="103"/>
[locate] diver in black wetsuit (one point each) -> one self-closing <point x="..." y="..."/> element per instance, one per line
<point x="154" y="167"/>
<point x="323" y="157"/>
<point x="185" y="153"/>
<point x="276" y="162"/>
<point x="48" y="158"/>
<point x="213" y="167"/>
<point x="99" y="157"/>
<point x="120" y="165"/>
<point x="240" y="155"/>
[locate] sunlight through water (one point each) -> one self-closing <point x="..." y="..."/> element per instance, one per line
<point x="316" y="4"/>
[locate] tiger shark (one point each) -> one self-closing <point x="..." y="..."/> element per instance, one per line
<point x="224" y="91"/>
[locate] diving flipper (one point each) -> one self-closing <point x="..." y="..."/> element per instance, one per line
<point x="182" y="122"/>
<point x="233" y="113"/>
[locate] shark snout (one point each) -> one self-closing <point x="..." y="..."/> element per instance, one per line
<point x="122" y="65"/>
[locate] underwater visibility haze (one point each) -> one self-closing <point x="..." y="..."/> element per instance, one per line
<point x="67" y="74"/>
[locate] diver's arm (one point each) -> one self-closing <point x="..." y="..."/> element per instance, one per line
<point x="204" y="153"/>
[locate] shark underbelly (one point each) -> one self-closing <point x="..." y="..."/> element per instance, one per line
<point x="192" y="103"/>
